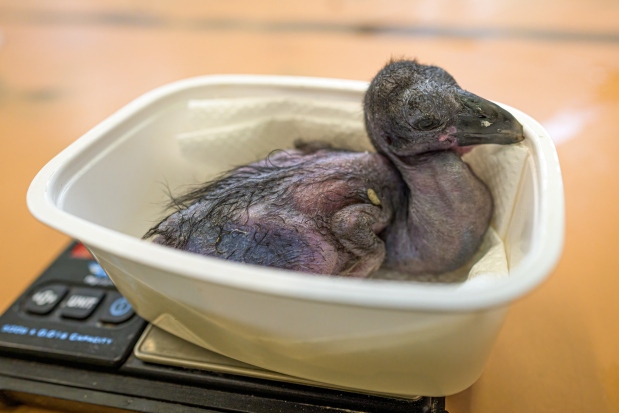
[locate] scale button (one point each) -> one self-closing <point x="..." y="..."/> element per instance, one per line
<point x="45" y="299"/>
<point x="81" y="303"/>
<point x="118" y="311"/>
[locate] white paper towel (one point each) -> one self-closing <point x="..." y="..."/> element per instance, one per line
<point x="221" y="134"/>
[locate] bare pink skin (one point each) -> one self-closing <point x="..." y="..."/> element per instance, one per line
<point x="448" y="213"/>
<point x="314" y="215"/>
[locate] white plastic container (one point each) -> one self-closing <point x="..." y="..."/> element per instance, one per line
<point x="402" y="338"/>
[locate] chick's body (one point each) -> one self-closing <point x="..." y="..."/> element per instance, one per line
<point x="307" y="210"/>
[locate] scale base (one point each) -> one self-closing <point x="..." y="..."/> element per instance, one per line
<point x="52" y="355"/>
<point x="145" y="387"/>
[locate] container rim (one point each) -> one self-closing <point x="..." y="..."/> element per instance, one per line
<point x="534" y="268"/>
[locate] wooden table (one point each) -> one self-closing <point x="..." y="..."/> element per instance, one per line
<point x="67" y="65"/>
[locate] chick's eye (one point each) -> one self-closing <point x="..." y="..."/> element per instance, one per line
<point x="427" y="123"/>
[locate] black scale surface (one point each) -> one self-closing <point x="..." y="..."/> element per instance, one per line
<point x="68" y="341"/>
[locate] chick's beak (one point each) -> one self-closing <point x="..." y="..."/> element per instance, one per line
<point x="481" y="121"/>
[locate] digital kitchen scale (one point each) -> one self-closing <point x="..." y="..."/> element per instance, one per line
<point x="72" y="342"/>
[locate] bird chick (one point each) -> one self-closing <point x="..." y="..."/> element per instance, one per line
<point x="414" y="207"/>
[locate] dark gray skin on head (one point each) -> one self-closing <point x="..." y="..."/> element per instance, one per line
<point x="414" y="206"/>
<point x="418" y="117"/>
